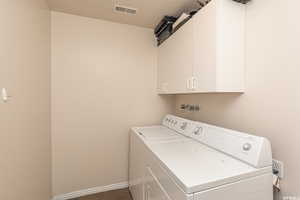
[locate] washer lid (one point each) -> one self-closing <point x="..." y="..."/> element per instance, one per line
<point x="196" y="167"/>
<point x="158" y="133"/>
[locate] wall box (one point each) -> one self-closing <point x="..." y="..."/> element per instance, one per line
<point x="207" y="54"/>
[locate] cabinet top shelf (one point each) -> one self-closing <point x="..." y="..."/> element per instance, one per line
<point x="181" y="24"/>
<point x="174" y="31"/>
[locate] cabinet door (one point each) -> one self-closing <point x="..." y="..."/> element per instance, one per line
<point x="205" y="48"/>
<point x="153" y="189"/>
<point x="175" y="61"/>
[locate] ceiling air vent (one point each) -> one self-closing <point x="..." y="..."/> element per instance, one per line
<point x="242" y="1"/>
<point x="125" y="9"/>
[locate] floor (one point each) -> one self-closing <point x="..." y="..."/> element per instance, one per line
<point x="122" y="194"/>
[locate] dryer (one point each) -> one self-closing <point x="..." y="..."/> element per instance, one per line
<point x="187" y="160"/>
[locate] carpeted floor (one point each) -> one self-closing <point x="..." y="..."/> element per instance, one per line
<point x="122" y="194"/>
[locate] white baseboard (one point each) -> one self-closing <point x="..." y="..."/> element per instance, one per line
<point x="90" y="191"/>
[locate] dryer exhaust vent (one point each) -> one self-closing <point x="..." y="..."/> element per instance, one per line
<point x="124" y="9"/>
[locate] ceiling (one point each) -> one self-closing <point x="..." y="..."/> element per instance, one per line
<point x="148" y="15"/>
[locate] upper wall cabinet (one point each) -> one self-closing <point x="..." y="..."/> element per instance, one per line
<point x="207" y="54"/>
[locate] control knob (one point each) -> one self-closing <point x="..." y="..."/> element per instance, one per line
<point x="198" y="131"/>
<point x="247" y="147"/>
<point x="183" y="126"/>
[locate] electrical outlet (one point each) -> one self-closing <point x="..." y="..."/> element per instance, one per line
<point x="278" y="168"/>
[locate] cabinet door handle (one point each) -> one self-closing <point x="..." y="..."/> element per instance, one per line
<point x="188" y="83"/>
<point x="194" y="83"/>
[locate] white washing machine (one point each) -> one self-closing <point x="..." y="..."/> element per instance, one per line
<point x="187" y="160"/>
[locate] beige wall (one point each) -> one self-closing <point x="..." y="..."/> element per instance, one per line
<point x="270" y="106"/>
<point x="25" y="119"/>
<point x="103" y="83"/>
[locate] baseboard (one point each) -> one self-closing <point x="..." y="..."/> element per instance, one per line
<point x="90" y="191"/>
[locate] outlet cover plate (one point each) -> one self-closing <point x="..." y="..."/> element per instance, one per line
<point x="278" y="166"/>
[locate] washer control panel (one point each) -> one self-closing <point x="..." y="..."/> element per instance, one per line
<point x="180" y="125"/>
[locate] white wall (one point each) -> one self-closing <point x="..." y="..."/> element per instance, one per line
<point x="270" y="106"/>
<point x="25" y="118"/>
<point x="103" y="83"/>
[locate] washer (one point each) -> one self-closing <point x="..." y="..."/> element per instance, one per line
<point x="187" y="160"/>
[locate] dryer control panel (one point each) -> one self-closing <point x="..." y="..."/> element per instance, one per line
<point x="251" y="149"/>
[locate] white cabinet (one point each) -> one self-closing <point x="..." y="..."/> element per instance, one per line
<point x="207" y="54"/>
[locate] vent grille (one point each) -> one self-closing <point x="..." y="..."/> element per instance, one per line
<point x="124" y="9"/>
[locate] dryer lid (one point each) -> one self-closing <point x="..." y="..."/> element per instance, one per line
<point x="196" y="167"/>
<point x="158" y="133"/>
